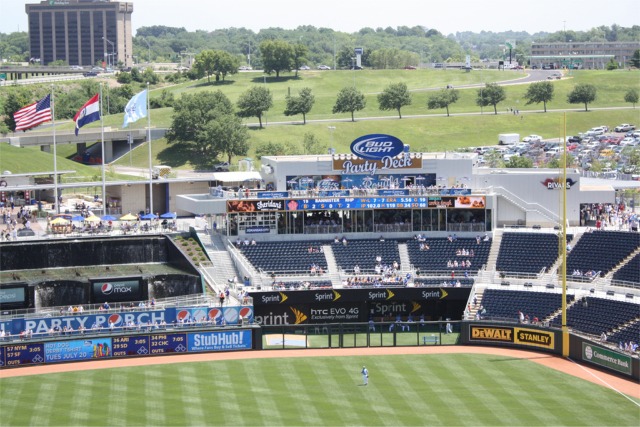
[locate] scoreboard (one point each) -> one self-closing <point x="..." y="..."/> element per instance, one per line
<point x="96" y="348"/>
<point x="168" y="343"/>
<point x="131" y="346"/>
<point x="23" y="354"/>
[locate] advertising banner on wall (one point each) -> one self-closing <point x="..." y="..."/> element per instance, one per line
<point x="359" y="295"/>
<point x="219" y="341"/>
<point x="116" y="290"/>
<point x="84" y="349"/>
<point x="267" y="205"/>
<point x="513" y="335"/>
<point x="607" y="358"/>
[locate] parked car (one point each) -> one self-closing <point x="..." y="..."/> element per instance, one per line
<point x="625" y="127"/>
<point x="532" y="138"/>
<point x="596" y="131"/>
<point x="574" y="139"/>
<point x="409" y="67"/>
<point x="245" y="68"/>
<point x="323" y="67"/>
<point x="90" y="74"/>
<point x="305" y="67"/>
<point x="221" y="167"/>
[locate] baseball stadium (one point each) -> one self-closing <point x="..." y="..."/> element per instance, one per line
<point x="473" y="296"/>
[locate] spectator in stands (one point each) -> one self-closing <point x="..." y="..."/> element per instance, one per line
<point x="344" y="241"/>
<point x="478" y="239"/>
<point x="336" y="240"/>
<point x="253" y="242"/>
<point x="520" y="317"/>
<point x="603" y="337"/>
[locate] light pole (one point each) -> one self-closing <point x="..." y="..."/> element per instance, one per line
<point x="149" y="46"/>
<point x="112" y="51"/>
<point x="331" y="130"/>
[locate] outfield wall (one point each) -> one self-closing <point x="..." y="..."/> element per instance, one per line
<point x="597" y="355"/>
<point x="530" y="337"/>
<point x="143" y="344"/>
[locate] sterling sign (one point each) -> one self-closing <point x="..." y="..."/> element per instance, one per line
<point x="376" y="152"/>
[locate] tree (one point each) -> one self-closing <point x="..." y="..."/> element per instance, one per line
<point x="582" y="93"/>
<point x="539" y="92"/>
<point x="300" y="104"/>
<point x="349" y="100"/>
<point x="277" y="56"/>
<point x="394" y="97"/>
<point x="612" y="65"/>
<point x="443" y="99"/>
<point x="227" y="135"/>
<point x="634" y="61"/>
<point x="215" y="62"/>
<point x="204" y="64"/>
<point x="519" y="162"/>
<point x="491" y="94"/>
<point x="255" y="102"/>
<point x="191" y="116"/>
<point x="631" y="96"/>
<point x="300" y="53"/>
<point x="312" y="144"/>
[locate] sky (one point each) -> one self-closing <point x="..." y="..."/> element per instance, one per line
<point x="446" y="16"/>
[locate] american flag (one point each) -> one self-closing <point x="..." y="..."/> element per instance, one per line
<point x="33" y="114"/>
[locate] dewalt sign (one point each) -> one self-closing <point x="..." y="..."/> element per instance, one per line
<point x="534" y="337"/>
<point x="481" y="333"/>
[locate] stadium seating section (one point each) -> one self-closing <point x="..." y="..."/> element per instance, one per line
<point x="434" y="281"/>
<point x="629" y="272"/>
<point x="442" y="250"/>
<point x="527" y="252"/>
<point x="293" y="286"/>
<point x="602" y="250"/>
<point x="629" y="333"/>
<point x="285" y="256"/>
<point x="596" y="315"/>
<point x="364" y="252"/>
<point x="506" y="304"/>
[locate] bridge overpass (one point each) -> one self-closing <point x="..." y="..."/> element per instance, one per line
<point x="111" y="137"/>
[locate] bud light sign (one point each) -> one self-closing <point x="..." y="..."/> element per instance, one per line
<point x="377" y="146"/>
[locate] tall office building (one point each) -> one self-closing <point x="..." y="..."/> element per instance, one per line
<point x="81" y="32"/>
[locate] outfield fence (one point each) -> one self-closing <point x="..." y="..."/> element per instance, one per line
<point x="350" y="335"/>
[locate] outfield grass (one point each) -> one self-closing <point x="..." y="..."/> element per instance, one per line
<point x="403" y="390"/>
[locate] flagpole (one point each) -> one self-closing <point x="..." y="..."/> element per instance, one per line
<point x="150" y="164"/>
<point x="104" y="185"/>
<point x="55" y="152"/>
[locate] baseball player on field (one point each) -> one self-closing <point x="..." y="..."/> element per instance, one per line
<point x="365" y="375"/>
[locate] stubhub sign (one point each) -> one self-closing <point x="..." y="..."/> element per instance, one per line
<point x="377" y="146"/>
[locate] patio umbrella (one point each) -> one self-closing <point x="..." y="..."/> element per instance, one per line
<point x="168" y="215"/>
<point x="128" y="217"/>
<point x="77" y="218"/>
<point x="420" y="178"/>
<point x="149" y="216"/>
<point x="109" y="218"/>
<point x="92" y="218"/>
<point x="60" y="221"/>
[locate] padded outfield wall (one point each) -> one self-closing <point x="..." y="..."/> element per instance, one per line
<point x="530" y="337"/>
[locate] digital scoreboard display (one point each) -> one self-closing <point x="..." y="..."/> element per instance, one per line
<point x="24" y="354"/>
<point x="131" y="346"/>
<point x="168" y="343"/>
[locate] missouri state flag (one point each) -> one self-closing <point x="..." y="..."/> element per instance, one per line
<point x="90" y="112"/>
<point x="33" y="114"/>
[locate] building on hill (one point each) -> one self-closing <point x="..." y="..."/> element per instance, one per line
<point x="585" y="55"/>
<point x="81" y="32"/>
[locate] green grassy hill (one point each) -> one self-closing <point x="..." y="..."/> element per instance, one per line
<point x="425" y="130"/>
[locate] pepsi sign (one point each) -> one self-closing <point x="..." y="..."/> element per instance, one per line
<point x="116" y="290"/>
<point x="377" y="146"/>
